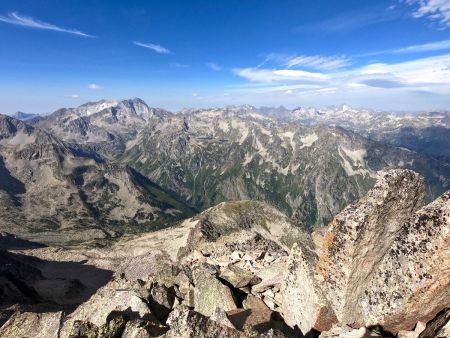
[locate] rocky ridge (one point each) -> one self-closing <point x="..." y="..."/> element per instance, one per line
<point x="378" y="269"/>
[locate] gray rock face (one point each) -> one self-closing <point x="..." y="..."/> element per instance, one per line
<point x="304" y="302"/>
<point x="412" y="281"/>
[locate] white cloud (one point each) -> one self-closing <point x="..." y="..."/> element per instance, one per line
<point x="318" y="62"/>
<point x="428" y="75"/>
<point x="157" y="48"/>
<point x="279" y="75"/>
<point x="427" y="47"/>
<point x="194" y="94"/>
<point x="15" y="18"/>
<point x="94" y="86"/>
<point x="214" y="66"/>
<point x="434" y="10"/>
<point x="75" y="96"/>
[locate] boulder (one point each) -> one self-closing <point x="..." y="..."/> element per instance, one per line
<point x="40" y="325"/>
<point x="185" y="323"/>
<point x="113" y="328"/>
<point x="238" y="277"/>
<point x="271" y="276"/>
<point x="209" y="292"/>
<point x="116" y="296"/>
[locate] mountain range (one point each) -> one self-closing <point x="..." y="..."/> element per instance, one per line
<point x="112" y="167"/>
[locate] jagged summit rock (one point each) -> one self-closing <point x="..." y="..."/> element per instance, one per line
<point x="380" y="262"/>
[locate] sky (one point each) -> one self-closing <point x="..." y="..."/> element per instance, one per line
<point x="384" y="54"/>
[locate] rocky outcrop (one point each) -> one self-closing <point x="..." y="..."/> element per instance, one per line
<point x="360" y="236"/>
<point x="304" y="302"/>
<point x="30" y="324"/>
<point x="380" y="262"/>
<point x="412" y="281"/>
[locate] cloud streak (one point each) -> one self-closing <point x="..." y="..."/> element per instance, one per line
<point x="318" y="62"/>
<point x="262" y="75"/>
<point x="433" y="10"/>
<point x="154" y="47"/>
<point x="15" y="18"/>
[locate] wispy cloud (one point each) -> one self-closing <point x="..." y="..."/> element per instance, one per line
<point x="351" y="20"/>
<point x="262" y="75"/>
<point x="427" y="47"/>
<point x="434" y="10"/>
<point x="318" y="62"/>
<point x="156" y="48"/>
<point x="75" y="96"/>
<point x="214" y="66"/>
<point x="94" y="86"/>
<point x="15" y="18"/>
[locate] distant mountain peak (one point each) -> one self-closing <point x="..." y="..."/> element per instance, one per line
<point x="23" y="116"/>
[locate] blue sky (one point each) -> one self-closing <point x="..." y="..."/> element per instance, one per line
<point x="385" y="54"/>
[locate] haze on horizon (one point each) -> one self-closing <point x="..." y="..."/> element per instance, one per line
<point x="388" y="55"/>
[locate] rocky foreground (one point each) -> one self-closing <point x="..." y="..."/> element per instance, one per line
<point x="242" y="269"/>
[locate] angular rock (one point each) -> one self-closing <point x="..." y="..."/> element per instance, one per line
<point x="185" y="288"/>
<point x="412" y="281"/>
<point x="361" y="235"/>
<point x="113" y="328"/>
<point x="238" y="277"/>
<point x="143" y="329"/>
<point x="39" y="325"/>
<point x="270" y="276"/>
<point x="116" y="296"/>
<point x="304" y="303"/>
<point x="209" y="292"/>
<point x="185" y="323"/>
<point x="161" y="300"/>
<point x="221" y="317"/>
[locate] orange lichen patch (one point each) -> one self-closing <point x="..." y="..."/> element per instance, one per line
<point x="325" y="319"/>
<point x="325" y="258"/>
